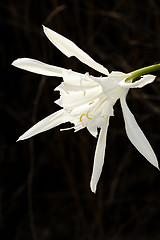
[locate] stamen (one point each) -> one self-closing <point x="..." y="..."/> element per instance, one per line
<point x="70" y="111"/>
<point x="88" y="116"/>
<point x="91" y="102"/>
<point x="81" y="117"/>
<point x="101" y="101"/>
<point x="66" y="91"/>
<point x="81" y="79"/>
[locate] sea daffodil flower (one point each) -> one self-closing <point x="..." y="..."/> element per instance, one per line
<point x="88" y="101"/>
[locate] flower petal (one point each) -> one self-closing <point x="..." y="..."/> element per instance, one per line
<point x="70" y="49"/>
<point x="99" y="157"/>
<point x="146" y="79"/>
<point x="35" y="66"/>
<point x="74" y="81"/>
<point x="47" y="123"/>
<point x="135" y="134"/>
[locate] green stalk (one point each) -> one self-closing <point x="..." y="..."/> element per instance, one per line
<point x="142" y="71"/>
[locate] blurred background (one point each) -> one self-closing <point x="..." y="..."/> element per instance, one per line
<point x="44" y="181"/>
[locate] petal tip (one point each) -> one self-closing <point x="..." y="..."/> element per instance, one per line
<point x="93" y="188"/>
<point x="18" y="62"/>
<point x="156" y="164"/>
<point x="93" y="191"/>
<point x="19" y="139"/>
<point x="158" y="167"/>
<point x="14" y="63"/>
<point x="44" y="28"/>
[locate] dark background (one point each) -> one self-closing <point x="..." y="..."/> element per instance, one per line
<point x="44" y="181"/>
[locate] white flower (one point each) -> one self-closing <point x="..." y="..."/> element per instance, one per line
<point x="88" y="101"/>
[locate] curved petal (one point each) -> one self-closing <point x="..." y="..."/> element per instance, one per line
<point x="35" y="66"/>
<point x="146" y="79"/>
<point x="47" y="123"/>
<point x="70" y="49"/>
<point x="135" y="134"/>
<point x="99" y="157"/>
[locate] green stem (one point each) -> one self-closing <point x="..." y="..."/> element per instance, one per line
<point x="142" y="71"/>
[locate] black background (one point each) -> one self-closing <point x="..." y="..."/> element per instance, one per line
<point x="44" y="181"/>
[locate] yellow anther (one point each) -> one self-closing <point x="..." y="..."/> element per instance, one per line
<point x="91" y="102"/>
<point x="70" y="111"/>
<point x="66" y="91"/>
<point x="88" y="116"/>
<point x="81" y="117"/>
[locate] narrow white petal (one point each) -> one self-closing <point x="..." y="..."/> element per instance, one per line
<point x="99" y="157"/>
<point x="47" y="123"/>
<point x="135" y="134"/>
<point x="70" y="49"/>
<point x="92" y="127"/>
<point x="146" y="79"/>
<point x="35" y="66"/>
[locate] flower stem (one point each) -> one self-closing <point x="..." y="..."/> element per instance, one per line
<point x="142" y="71"/>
